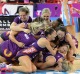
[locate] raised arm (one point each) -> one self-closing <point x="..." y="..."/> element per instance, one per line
<point x="19" y="27"/>
<point x="15" y="27"/>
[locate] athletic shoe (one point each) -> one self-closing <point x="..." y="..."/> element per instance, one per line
<point x="4" y="67"/>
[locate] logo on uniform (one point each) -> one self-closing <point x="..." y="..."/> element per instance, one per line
<point x="29" y="50"/>
<point x="7" y="53"/>
<point x="58" y="56"/>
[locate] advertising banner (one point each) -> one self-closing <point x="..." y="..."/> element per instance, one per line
<point x="54" y="8"/>
<point x="75" y="13"/>
<point x="10" y="9"/>
<point x="5" y="22"/>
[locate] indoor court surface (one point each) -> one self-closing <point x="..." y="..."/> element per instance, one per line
<point x="43" y="72"/>
<point x="75" y="67"/>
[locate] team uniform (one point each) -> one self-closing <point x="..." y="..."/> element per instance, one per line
<point x="18" y="21"/>
<point x="41" y="33"/>
<point x="47" y="53"/>
<point x="74" y="40"/>
<point x="59" y="55"/>
<point x="30" y="51"/>
<point x="9" y="49"/>
<point x="5" y="35"/>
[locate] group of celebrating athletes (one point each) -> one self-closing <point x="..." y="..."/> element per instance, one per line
<point x="39" y="44"/>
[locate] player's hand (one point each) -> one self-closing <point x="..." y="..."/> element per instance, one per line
<point x="27" y="31"/>
<point x="20" y="44"/>
<point x="22" y="25"/>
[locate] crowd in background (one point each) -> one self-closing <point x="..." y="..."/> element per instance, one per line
<point x="31" y="1"/>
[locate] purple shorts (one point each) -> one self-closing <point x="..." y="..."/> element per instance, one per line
<point x="28" y="51"/>
<point x="57" y="56"/>
<point x="5" y="35"/>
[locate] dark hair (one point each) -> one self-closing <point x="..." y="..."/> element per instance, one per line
<point x="62" y="44"/>
<point x="48" y="31"/>
<point x="58" y="24"/>
<point x="60" y="21"/>
<point x="24" y="9"/>
<point x="56" y="40"/>
<point x="38" y="19"/>
<point x="62" y="28"/>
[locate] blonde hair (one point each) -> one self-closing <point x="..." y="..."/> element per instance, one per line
<point x="36" y="26"/>
<point x="46" y="10"/>
<point x="66" y="66"/>
<point x="38" y="19"/>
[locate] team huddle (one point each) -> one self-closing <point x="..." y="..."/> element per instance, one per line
<point x="36" y="44"/>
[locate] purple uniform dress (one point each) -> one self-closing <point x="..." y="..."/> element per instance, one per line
<point x="46" y="54"/>
<point x="41" y="33"/>
<point x="9" y="49"/>
<point x="18" y="21"/>
<point x="30" y="51"/>
<point x="5" y="35"/>
<point x="74" y="40"/>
